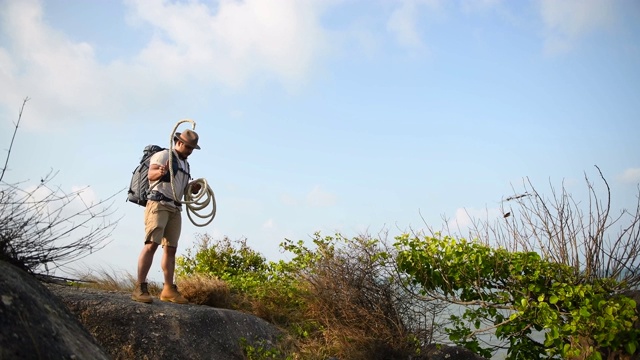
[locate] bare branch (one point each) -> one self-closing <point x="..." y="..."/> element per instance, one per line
<point x="35" y="231"/>
<point x="36" y="224"/>
<point x="4" y="169"/>
<point x="585" y="236"/>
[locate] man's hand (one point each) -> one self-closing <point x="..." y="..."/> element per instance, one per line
<point x="156" y="171"/>
<point x="195" y="187"/>
<point x="164" y="168"/>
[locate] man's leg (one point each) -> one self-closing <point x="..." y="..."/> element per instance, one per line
<point x="170" y="290"/>
<point x="170" y="244"/>
<point x="145" y="260"/>
<point x="141" y="292"/>
<point x="169" y="263"/>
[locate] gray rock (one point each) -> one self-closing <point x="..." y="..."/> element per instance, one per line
<point x="132" y="330"/>
<point x="444" y="352"/>
<point x="34" y="324"/>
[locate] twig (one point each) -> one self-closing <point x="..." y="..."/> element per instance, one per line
<point x="515" y="197"/>
<point x="24" y="102"/>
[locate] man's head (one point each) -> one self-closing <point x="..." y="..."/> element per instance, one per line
<point x="185" y="142"/>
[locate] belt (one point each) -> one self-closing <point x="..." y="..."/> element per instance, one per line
<point x="158" y="196"/>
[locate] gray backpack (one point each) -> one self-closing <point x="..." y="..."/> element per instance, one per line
<point x="139" y="187"/>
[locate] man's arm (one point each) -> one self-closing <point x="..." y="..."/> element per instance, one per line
<point x="158" y="166"/>
<point x="156" y="172"/>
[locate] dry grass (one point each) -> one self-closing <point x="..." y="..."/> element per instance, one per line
<point x="111" y="280"/>
<point x="205" y="290"/>
<point x="108" y="280"/>
<point x="353" y="311"/>
<point x="358" y="315"/>
<point x="198" y="289"/>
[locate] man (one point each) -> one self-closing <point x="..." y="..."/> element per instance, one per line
<point x="162" y="216"/>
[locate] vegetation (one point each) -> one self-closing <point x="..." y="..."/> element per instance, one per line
<point x="552" y="278"/>
<point x="343" y="297"/>
<point x="43" y="228"/>
<point x="546" y="281"/>
<point x="586" y="236"/>
<point x="516" y="294"/>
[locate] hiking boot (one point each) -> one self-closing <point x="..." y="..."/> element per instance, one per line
<point x="141" y="293"/>
<point x="170" y="293"/>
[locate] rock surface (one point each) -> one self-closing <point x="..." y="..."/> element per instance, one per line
<point x="132" y="330"/>
<point x="34" y="324"/>
<point x="443" y="352"/>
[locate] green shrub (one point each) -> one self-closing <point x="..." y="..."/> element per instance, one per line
<point x="338" y="297"/>
<point x="266" y="289"/>
<point x="514" y="294"/>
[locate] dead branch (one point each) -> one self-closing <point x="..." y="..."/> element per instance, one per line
<point x="6" y="162"/>
<point x="584" y="235"/>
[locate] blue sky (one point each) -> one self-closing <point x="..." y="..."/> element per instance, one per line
<point x="332" y="115"/>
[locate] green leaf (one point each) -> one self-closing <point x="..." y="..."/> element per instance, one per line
<point x="630" y="347"/>
<point x="584" y="313"/>
<point x="553" y="299"/>
<point x="595" y="356"/>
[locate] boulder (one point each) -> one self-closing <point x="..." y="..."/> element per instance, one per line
<point x="34" y="324"/>
<point x="161" y="330"/>
<point x="445" y="352"/>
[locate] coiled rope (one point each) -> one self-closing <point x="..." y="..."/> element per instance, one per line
<point x="193" y="202"/>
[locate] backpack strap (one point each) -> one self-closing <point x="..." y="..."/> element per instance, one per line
<point x="158" y="196"/>
<point x="176" y="170"/>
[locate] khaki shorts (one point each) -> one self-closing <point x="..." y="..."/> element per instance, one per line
<point x="162" y="224"/>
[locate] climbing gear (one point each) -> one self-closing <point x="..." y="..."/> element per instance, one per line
<point x="170" y="293"/>
<point x="203" y="198"/>
<point x="141" y="293"/>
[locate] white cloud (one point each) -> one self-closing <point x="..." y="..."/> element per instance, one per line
<point x="194" y="43"/>
<point x="320" y="198"/>
<point x="42" y="63"/>
<point x="85" y="195"/>
<point x="465" y="218"/>
<point x="461" y="219"/>
<point x="404" y="23"/>
<point x="568" y="20"/>
<point x="236" y="41"/>
<point x="630" y="175"/>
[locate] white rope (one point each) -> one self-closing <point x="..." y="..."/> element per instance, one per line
<point x="198" y="202"/>
<point x="193" y="202"/>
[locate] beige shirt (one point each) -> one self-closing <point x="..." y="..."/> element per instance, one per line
<point x="180" y="179"/>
